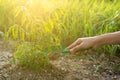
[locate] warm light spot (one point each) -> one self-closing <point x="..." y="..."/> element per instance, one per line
<point x="41" y="7"/>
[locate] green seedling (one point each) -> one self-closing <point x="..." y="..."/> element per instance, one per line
<point x="65" y="52"/>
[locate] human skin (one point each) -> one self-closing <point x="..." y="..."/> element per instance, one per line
<point x="95" y="42"/>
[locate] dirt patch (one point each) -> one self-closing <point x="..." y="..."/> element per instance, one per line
<point x="64" y="68"/>
<point x="85" y="67"/>
<point x="9" y="71"/>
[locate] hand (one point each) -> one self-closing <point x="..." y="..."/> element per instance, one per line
<point x="82" y="43"/>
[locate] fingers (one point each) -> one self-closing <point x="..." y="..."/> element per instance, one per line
<point x="82" y="52"/>
<point x="72" y="45"/>
<point x="77" y="42"/>
<point x="76" y="48"/>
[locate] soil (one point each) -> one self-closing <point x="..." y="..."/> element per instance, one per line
<point x="90" y="66"/>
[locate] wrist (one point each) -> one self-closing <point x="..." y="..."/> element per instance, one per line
<point x="98" y="41"/>
<point x="104" y="39"/>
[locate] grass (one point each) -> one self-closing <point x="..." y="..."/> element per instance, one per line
<point x="55" y="24"/>
<point x="29" y="55"/>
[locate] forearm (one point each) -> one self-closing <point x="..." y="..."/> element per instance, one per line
<point x="106" y="39"/>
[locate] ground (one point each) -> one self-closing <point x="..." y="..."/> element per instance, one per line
<point x="91" y="66"/>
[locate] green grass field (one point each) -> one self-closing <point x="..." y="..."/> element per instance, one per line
<point x="43" y="26"/>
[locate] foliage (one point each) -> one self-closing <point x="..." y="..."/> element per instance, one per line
<point x="60" y="23"/>
<point x="31" y="56"/>
<point x="55" y="23"/>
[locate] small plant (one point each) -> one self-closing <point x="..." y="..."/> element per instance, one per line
<point x="31" y="56"/>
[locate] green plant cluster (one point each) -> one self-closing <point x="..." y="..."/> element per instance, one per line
<point x="30" y="56"/>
